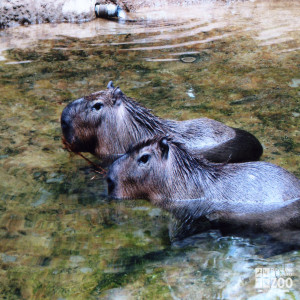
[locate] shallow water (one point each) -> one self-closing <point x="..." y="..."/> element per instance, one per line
<point x="60" y="237"/>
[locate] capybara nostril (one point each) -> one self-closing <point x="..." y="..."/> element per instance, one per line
<point x="111" y="185"/>
<point x="65" y="119"/>
<point x="66" y="129"/>
<point x="64" y="124"/>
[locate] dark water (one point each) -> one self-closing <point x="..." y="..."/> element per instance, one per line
<point x="60" y="237"/>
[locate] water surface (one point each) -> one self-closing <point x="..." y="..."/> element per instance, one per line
<point x="60" y="236"/>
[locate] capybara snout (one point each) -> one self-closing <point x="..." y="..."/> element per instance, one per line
<point x="66" y="125"/>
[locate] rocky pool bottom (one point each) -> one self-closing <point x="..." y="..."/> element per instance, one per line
<point x="60" y="236"/>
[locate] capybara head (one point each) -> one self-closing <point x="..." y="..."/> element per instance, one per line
<point x="156" y="169"/>
<point x="86" y="118"/>
<point x="140" y="171"/>
<point x="106" y="123"/>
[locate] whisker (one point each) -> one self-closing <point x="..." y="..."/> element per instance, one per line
<point x="97" y="169"/>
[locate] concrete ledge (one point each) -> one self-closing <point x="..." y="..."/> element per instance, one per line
<point x="25" y="12"/>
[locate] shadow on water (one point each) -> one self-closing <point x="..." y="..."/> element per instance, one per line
<point x="60" y="237"/>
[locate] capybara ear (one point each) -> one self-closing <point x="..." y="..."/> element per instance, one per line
<point x="110" y="85"/>
<point x="117" y="96"/>
<point x="117" y="92"/>
<point x="164" y="147"/>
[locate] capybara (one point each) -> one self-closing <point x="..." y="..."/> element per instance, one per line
<point x="107" y="122"/>
<point x="257" y="195"/>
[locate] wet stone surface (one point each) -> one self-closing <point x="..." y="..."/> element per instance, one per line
<point x="60" y="236"/>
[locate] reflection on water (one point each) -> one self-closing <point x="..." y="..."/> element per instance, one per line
<point x="60" y="235"/>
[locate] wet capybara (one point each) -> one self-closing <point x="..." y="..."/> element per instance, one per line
<point x="257" y="195"/>
<point x="107" y="122"/>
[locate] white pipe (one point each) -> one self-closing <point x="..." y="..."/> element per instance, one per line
<point x="109" y="11"/>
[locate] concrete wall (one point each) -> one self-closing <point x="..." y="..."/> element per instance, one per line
<point x="15" y="12"/>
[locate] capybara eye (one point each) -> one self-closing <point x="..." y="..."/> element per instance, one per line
<point x="97" y="106"/>
<point x="144" y="158"/>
